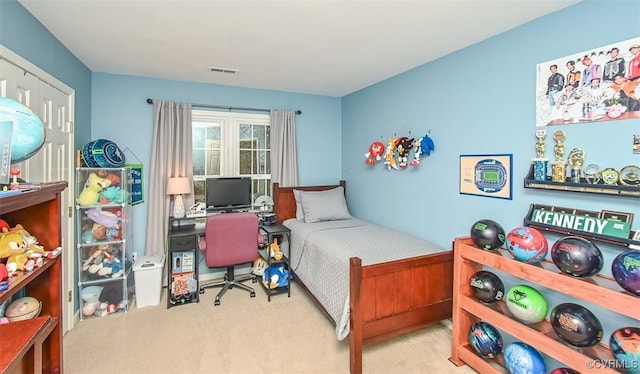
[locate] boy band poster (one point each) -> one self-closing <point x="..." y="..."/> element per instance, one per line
<point x="601" y="84"/>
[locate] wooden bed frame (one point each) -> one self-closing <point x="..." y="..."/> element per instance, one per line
<point x="387" y="299"/>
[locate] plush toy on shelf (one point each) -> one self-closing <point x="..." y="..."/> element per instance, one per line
<point x="15" y="248"/>
<point x="275" y="251"/>
<point x="112" y="195"/>
<point x="275" y="276"/>
<point x="90" y="194"/>
<point x="259" y="264"/>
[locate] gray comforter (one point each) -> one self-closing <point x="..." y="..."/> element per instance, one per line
<point x="320" y="253"/>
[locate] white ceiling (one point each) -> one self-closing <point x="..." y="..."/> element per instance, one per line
<point x="306" y="46"/>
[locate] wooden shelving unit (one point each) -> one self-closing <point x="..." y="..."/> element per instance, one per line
<point x="598" y="290"/>
<point x="35" y="345"/>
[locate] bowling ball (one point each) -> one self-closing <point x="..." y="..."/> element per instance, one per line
<point x="527" y="244"/>
<point x="487" y="234"/>
<point x="485" y="339"/>
<point x="625" y="345"/>
<point x="577" y="256"/>
<point x="487" y="287"/>
<point x="526" y="303"/>
<point x="522" y="358"/>
<point x="625" y="268"/>
<point x="576" y="325"/>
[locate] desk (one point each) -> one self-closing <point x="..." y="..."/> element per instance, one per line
<point x="182" y="264"/>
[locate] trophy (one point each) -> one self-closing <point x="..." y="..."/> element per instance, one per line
<point x="559" y="173"/>
<point x="540" y="162"/>
<point x="576" y="159"/>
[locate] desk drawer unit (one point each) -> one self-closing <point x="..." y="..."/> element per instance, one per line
<point x="184" y="242"/>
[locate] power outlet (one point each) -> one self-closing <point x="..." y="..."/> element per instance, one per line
<point x="134" y="256"/>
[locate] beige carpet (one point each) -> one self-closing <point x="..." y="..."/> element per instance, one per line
<point x="242" y="335"/>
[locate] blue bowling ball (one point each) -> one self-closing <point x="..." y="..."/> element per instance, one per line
<point x="521" y="358"/>
<point x="485" y="339"/>
<point x="625" y="345"/>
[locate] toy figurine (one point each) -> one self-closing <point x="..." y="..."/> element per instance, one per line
<point x="376" y="149"/>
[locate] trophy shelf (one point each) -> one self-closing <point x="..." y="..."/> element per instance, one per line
<point x="585" y="187"/>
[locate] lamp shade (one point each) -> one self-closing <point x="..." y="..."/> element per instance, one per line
<point x="178" y="186"/>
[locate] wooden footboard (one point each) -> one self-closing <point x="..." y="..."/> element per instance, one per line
<point x="394" y="298"/>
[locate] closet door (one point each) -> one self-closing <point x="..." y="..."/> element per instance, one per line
<point x="37" y="90"/>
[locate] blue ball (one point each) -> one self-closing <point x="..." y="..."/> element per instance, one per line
<point x="626" y="270"/>
<point x="522" y="358"/>
<point x="102" y="153"/>
<point x="27" y="135"/>
<point x="485" y="339"/>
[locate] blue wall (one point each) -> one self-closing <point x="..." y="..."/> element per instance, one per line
<point x="121" y="113"/>
<point x="26" y="36"/>
<point x="479" y="100"/>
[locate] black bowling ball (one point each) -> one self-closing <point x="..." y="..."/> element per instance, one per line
<point x="487" y="287"/>
<point x="487" y="234"/>
<point x="577" y="256"/>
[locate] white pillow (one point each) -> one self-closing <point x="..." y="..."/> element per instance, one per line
<point x="328" y="205"/>
<point x="299" y="211"/>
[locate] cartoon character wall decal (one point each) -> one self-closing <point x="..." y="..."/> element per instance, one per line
<point x="389" y="158"/>
<point x="424" y="145"/>
<point x="376" y="149"/>
<point x="404" y="145"/>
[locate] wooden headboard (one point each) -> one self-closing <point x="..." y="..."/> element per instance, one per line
<point x="284" y="204"/>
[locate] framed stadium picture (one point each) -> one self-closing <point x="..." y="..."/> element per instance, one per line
<point x="486" y="175"/>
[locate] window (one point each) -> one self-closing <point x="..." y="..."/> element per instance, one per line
<point x="229" y="145"/>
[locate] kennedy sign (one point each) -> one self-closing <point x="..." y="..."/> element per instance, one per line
<point x="588" y="224"/>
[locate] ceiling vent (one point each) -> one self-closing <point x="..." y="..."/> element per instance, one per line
<point x="223" y="70"/>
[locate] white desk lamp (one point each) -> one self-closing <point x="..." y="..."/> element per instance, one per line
<point x="178" y="187"/>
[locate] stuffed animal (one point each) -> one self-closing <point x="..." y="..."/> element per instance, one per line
<point x="389" y="158"/>
<point x="424" y="145"/>
<point x="404" y="145"/>
<point x="14" y="247"/>
<point x="103" y="217"/>
<point x="113" y="195"/>
<point x="376" y="149"/>
<point x="275" y="276"/>
<point x="90" y="194"/>
<point x="259" y="264"/>
<point x="275" y="251"/>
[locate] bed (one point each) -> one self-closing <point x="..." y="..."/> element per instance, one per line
<point x="373" y="282"/>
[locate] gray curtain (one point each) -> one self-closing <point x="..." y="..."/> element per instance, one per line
<point x="171" y="156"/>
<point x="284" y="151"/>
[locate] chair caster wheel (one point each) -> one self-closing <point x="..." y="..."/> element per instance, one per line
<point x="217" y="302"/>
<point x="201" y="291"/>
<point x="254" y="280"/>
<point x="252" y="294"/>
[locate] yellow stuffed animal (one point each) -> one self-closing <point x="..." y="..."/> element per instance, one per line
<point x="275" y="250"/>
<point x="90" y="194"/>
<point x="13" y="247"/>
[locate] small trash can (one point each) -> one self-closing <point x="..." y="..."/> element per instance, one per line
<point x="148" y="277"/>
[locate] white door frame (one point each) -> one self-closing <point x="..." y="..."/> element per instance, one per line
<point x="68" y="240"/>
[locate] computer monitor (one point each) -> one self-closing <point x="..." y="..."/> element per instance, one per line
<point x="228" y="193"/>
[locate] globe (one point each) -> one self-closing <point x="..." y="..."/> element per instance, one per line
<point x="27" y="134"/>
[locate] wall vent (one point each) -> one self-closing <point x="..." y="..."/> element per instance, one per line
<point x="223" y="70"/>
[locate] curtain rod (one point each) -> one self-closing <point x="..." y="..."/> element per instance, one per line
<point x="150" y="101"/>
